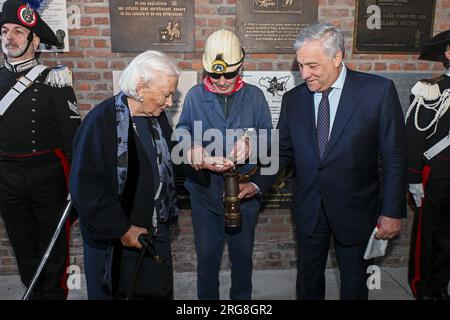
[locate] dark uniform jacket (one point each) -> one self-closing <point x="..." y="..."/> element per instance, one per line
<point x="42" y="118"/>
<point x="418" y="142"/>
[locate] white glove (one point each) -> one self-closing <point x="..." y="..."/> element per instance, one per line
<point x="416" y="190"/>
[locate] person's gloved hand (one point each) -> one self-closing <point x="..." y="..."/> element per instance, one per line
<point x="416" y="190"/>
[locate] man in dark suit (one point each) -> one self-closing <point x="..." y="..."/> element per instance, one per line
<point x="332" y="129"/>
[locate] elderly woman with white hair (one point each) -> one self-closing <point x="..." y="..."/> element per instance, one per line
<point x="122" y="182"/>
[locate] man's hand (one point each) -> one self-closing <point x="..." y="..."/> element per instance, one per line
<point x="130" y="238"/>
<point x="241" y="150"/>
<point x="417" y="192"/>
<point x="247" y="190"/>
<point x="199" y="159"/>
<point x="388" y="228"/>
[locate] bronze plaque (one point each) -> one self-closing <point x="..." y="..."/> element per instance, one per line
<point x="271" y="26"/>
<point x="167" y="26"/>
<point x="392" y="26"/>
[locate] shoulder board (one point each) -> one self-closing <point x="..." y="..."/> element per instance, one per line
<point x="59" y="76"/>
<point x="427" y="90"/>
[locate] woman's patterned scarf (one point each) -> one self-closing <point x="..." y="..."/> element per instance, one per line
<point x="165" y="195"/>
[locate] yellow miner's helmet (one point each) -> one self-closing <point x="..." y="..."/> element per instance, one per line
<point x="223" y="52"/>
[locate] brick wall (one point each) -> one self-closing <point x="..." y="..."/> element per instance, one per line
<point x="92" y="63"/>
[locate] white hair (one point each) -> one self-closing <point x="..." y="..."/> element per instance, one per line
<point x="331" y="38"/>
<point x="146" y="67"/>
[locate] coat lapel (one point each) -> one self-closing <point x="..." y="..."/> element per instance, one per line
<point x="236" y="107"/>
<point x="347" y="103"/>
<point x="308" y="117"/>
<point x="302" y="120"/>
<point x="209" y="98"/>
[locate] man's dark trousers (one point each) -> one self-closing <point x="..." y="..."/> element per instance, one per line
<point x="312" y="258"/>
<point x="32" y="200"/>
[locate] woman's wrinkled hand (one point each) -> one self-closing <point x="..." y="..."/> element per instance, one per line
<point x="130" y="238"/>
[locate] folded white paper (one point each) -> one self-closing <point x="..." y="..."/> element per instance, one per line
<point x="375" y="247"/>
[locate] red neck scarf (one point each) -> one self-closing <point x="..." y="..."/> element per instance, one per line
<point x="237" y="85"/>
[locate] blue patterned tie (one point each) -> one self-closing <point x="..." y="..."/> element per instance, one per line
<point x="323" y="123"/>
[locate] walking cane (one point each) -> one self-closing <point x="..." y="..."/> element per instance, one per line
<point x="49" y="249"/>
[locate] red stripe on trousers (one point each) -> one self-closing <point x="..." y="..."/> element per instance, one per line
<point x="65" y="165"/>
<point x="418" y="251"/>
<point x="66" y="168"/>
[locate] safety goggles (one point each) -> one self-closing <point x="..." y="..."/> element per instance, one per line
<point x="227" y="75"/>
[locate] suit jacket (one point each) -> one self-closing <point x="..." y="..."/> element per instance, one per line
<point x="104" y="216"/>
<point x="44" y="117"/>
<point x="369" y="122"/>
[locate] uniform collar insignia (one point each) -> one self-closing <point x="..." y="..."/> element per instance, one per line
<point x="21" y="66"/>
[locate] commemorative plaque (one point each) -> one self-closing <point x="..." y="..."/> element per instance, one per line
<point x="167" y="26"/>
<point x="392" y="26"/>
<point x="271" y="26"/>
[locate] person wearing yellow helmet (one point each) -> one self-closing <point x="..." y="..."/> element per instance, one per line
<point x="224" y="102"/>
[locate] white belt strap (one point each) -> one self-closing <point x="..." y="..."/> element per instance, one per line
<point x="20" y="86"/>
<point x="438" y="147"/>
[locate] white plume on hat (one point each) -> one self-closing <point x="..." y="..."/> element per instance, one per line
<point x="223" y="45"/>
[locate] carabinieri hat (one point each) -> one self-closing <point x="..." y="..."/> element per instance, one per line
<point x="434" y="49"/>
<point x="22" y="13"/>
